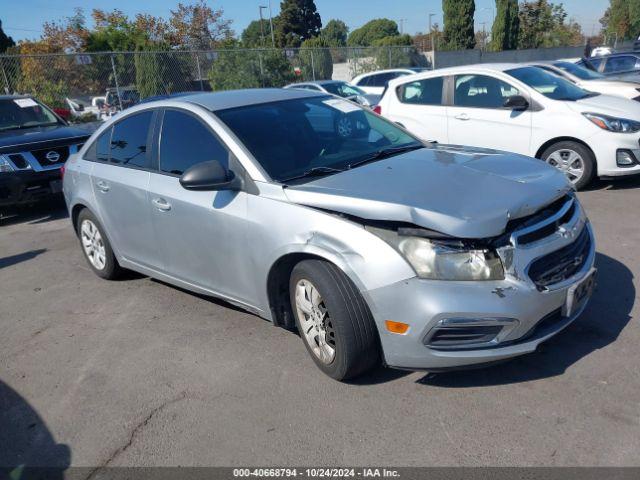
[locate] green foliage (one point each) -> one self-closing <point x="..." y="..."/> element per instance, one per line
<point x="315" y="59"/>
<point x="51" y="93"/>
<point x="506" y="27"/>
<point x="543" y="24"/>
<point x="459" y="33"/>
<point x="5" y="41"/>
<point x="299" y="21"/>
<point x="237" y="68"/>
<point x="374" y="30"/>
<point x="390" y="53"/>
<point x="252" y="35"/>
<point x="335" y="33"/>
<point x="622" y="18"/>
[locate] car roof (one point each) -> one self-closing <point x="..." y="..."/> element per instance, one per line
<point x="376" y="72"/>
<point x="214" y="101"/>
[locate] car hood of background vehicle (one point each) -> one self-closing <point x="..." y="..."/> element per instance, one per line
<point x="26" y="136"/>
<point x="462" y="192"/>
<point x="608" y="105"/>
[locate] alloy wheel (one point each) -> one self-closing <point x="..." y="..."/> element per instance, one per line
<point x="93" y="244"/>
<point x="315" y="321"/>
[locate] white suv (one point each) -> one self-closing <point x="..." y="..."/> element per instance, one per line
<point x="521" y="109"/>
<point x="374" y="83"/>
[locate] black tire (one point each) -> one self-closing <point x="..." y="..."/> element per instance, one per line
<point x="353" y="329"/>
<point x="111" y="269"/>
<point x="585" y="153"/>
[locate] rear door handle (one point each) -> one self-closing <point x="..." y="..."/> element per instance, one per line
<point x="463" y="116"/>
<point x="161" y="204"/>
<point x="102" y="186"/>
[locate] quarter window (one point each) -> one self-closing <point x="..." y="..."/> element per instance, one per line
<point x="481" y="91"/>
<point x="129" y="140"/>
<point x="422" y="92"/>
<point x="186" y="141"/>
<point x="99" y="150"/>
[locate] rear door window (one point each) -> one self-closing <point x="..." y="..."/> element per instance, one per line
<point x="623" y="63"/>
<point x="186" y="141"/>
<point x="481" y="91"/>
<point x="422" y="92"/>
<point x="130" y="139"/>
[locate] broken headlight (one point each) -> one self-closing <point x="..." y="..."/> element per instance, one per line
<point x="437" y="260"/>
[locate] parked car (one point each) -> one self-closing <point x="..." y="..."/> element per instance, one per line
<point x="339" y="88"/>
<point x="84" y="107"/>
<point x="621" y="66"/>
<point x="590" y="80"/>
<point x="377" y="247"/>
<point x="601" y="51"/>
<point x="521" y="109"/>
<point x="34" y="144"/>
<point x="121" y="98"/>
<point x="375" y="82"/>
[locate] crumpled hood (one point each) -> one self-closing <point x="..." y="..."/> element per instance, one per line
<point x="608" y="105"/>
<point x="458" y="191"/>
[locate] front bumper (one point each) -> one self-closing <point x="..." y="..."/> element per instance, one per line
<point x="605" y="146"/>
<point x="537" y="314"/>
<point x="28" y="186"/>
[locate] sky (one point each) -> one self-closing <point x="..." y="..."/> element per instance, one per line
<point x="23" y="19"/>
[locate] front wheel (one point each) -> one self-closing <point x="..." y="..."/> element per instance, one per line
<point x="333" y="319"/>
<point x="575" y="160"/>
<point x="96" y="247"/>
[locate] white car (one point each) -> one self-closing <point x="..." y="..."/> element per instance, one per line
<point x="590" y="80"/>
<point x="375" y="82"/>
<point x="600" y="51"/>
<point x="521" y="109"/>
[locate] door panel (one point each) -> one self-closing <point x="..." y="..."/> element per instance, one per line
<point x="478" y="118"/>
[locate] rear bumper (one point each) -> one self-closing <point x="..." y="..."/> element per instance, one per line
<point x="28" y="186"/>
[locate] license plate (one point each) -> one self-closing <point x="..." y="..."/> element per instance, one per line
<point x="579" y="294"/>
<point x="55" y="186"/>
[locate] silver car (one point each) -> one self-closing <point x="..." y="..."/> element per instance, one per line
<point x="321" y="216"/>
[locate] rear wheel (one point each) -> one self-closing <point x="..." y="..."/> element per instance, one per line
<point x="575" y="160"/>
<point x="333" y="320"/>
<point x="96" y="247"/>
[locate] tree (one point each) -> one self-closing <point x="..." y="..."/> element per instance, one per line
<point x="315" y="59"/>
<point x="252" y="35"/>
<point x="198" y="26"/>
<point x="371" y="31"/>
<point x="394" y="51"/>
<point x="543" y="24"/>
<point x="622" y="18"/>
<point x="335" y="33"/>
<point x="5" y="41"/>
<point x="299" y="21"/>
<point x="506" y="27"/>
<point x="459" y="31"/>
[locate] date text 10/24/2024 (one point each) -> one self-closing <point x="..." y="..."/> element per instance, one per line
<point x="316" y="472"/>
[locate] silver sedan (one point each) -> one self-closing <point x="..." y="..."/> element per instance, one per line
<point x="325" y="218"/>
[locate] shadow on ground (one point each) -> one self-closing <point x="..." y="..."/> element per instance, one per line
<point x="41" y="212"/>
<point x="615" y="184"/>
<point x="600" y="325"/>
<point x="27" y="448"/>
<point x="20" y="257"/>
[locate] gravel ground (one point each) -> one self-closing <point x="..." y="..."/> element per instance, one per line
<point x="136" y="372"/>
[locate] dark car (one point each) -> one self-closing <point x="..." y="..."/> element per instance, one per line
<point x="616" y="66"/>
<point x="34" y="144"/>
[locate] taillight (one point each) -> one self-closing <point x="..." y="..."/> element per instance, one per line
<point x="62" y="171"/>
<point x="377" y="109"/>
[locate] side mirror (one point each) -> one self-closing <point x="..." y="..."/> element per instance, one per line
<point x="210" y="176"/>
<point x="516" y="102"/>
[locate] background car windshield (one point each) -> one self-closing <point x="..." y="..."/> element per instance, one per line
<point x="578" y="71"/>
<point x="24" y="113"/>
<point x="292" y="137"/>
<point x="343" y="89"/>
<point x="548" y="84"/>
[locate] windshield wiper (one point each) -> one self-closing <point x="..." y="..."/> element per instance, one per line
<point x="314" y="172"/>
<point x="386" y="153"/>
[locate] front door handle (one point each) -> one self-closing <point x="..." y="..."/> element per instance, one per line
<point x="102" y="186"/>
<point x="161" y="204"/>
<point x="463" y="116"/>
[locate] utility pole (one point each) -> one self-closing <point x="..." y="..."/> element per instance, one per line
<point x="273" y="38"/>
<point x="431" y="31"/>
<point x="260" y="7"/>
<point x="402" y="20"/>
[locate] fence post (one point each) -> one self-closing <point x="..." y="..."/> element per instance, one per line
<point x="115" y="78"/>
<point x="313" y="67"/>
<point x="199" y="72"/>
<point x="390" y="66"/>
<point x="4" y="75"/>
<point x="261" y="68"/>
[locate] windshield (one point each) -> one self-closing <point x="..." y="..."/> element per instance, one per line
<point x="578" y="71"/>
<point x="343" y="89"/>
<point x="548" y="84"/>
<point x="24" y="113"/>
<point x="307" y="136"/>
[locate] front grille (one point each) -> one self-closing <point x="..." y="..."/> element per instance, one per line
<point x="51" y="156"/>
<point x="543" y="217"/>
<point x="561" y="264"/>
<point x="19" y="161"/>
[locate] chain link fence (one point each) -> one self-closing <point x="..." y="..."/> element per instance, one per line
<point x="87" y="86"/>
